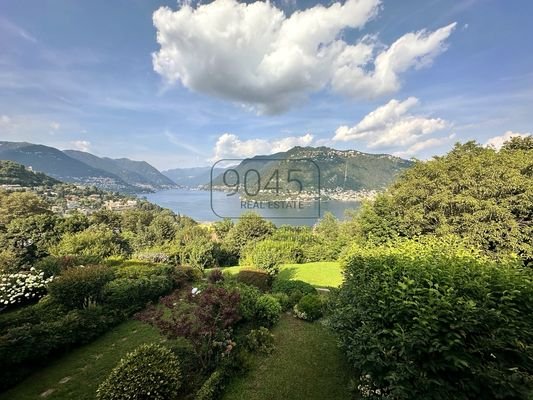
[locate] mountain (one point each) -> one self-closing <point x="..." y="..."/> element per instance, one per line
<point x="58" y="165"/>
<point x="339" y="169"/>
<point x="135" y="173"/>
<point x="192" y="177"/>
<point x="12" y="173"/>
<point x="71" y="166"/>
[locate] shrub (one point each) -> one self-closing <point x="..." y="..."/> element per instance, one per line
<point x="183" y="275"/>
<point x="268" y="310"/>
<point x="248" y="300"/>
<point x="149" y="372"/>
<point x="212" y="387"/>
<point x="269" y="254"/>
<point x="54" y="266"/>
<point x="23" y="347"/>
<point x="21" y="288"/>
<point x="309" y="307"/>
<point x="290" y="286"/>
<point x="433" y="319"/>
<point x="215" y="276"/>
<point x="204" y="317"/>
<point x="80" y="286"/>
<point x="283" y="300"/>
<point x="259" y="279"/>
<point x="132" y="294"/>
<point x="133" y="270"/>
<point x="261" y="340"/>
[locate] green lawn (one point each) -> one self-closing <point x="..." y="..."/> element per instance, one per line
<point x="78" y="374"/>
<point x="306" y="365"/>
<point x="316" y="273"/>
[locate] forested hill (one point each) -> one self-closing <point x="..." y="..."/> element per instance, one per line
<point x="344" y="169"/>
<point x="12" y="173"/>
<point x="120" y="175"/>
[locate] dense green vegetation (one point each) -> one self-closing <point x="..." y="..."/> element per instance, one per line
<point x="78" y="374"/>
<point x="12" y="173"/>
<point x="432" y="297"/>
<point x="478" y="193"/>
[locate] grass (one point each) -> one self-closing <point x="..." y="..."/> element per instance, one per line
<point x="318" y="274"/>
<point x="78" y="374"/>
<point x="306" y="365"/>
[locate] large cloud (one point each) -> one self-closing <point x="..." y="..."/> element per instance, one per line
<point x="256" y="55"/>
<point x="391" y="125"/>
<point x="230" y="146"/>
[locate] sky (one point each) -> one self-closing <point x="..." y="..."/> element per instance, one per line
<point x="183" y="84"/>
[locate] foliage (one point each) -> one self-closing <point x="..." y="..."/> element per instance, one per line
<point x="26" y="344"/>
<point x="436" y="319"/>
<point x="215" y="276"/>
<point x="97" y="240"/>
<point x="251" y="227"/>
<point x="21" y="288"/>
<point x="249" y="295"/>
<point x="309" y="307"/>
<point x="283" y="300"/>
<point x="149" y="372"/>
<point x="12" y="173"/>
<point x="269" y="254"/>
<point x="258" y="278"/>
<point x="289" y="287"/>
<point x="80" y="287"/>
<point x="204" y="317"/>
<point x="18" y="205"/>
<point x="212" y="387"/>
<point x="28" y="239"/>
<point x="268" y="310"/>
<point x="260" y="340"/>
<point x="134" y="293"/>
<point x="481" y="194"/>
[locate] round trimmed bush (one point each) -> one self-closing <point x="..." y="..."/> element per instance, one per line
<point x="149" y="372"/>
<point x="258" y="278"/>
<point x="249" y="296"/>
<point x="295" y="289"/>
<point x="309" y="307"/>
<point x="268" y="310"/>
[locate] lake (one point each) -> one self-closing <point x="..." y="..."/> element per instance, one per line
<point x="198" y="205"/>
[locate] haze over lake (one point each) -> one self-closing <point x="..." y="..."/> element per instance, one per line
<point x="197" y="205"/>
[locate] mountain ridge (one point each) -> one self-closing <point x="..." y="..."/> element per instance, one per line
<point x="85" y="168"/>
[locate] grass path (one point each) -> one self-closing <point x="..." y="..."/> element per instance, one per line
<point x="78" y="374"/>
<point x="318" y="274"/>
<point x="306" y="365"/>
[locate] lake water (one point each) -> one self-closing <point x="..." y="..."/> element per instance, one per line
<point x="199" y="205"/>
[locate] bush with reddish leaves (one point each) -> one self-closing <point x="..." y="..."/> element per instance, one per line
<point x="204" y="317"/>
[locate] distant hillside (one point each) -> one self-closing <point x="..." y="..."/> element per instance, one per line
<point x="339" y="169"/>
<point x="12" y="173"/>
<point x="135" y="173"/>
<point x="192" y="177"/>
<point x="71" y="166"/>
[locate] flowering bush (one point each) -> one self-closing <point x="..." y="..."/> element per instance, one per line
<point x="22" y="287"/>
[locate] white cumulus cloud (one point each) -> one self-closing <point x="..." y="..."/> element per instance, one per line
<point x="256" y="55"/>
<point x="498" y="141"/>
<point x="391" y="125"/>
<point x="230" y="146"/>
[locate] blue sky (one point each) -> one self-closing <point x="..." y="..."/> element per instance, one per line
<point x="80" y="74"/>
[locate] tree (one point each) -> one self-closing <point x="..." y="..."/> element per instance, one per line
<point x="250" y="227"/>
<point x="19" y="205"/>
<point x="98" y="241"/>
<point x="475" y="192"/>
